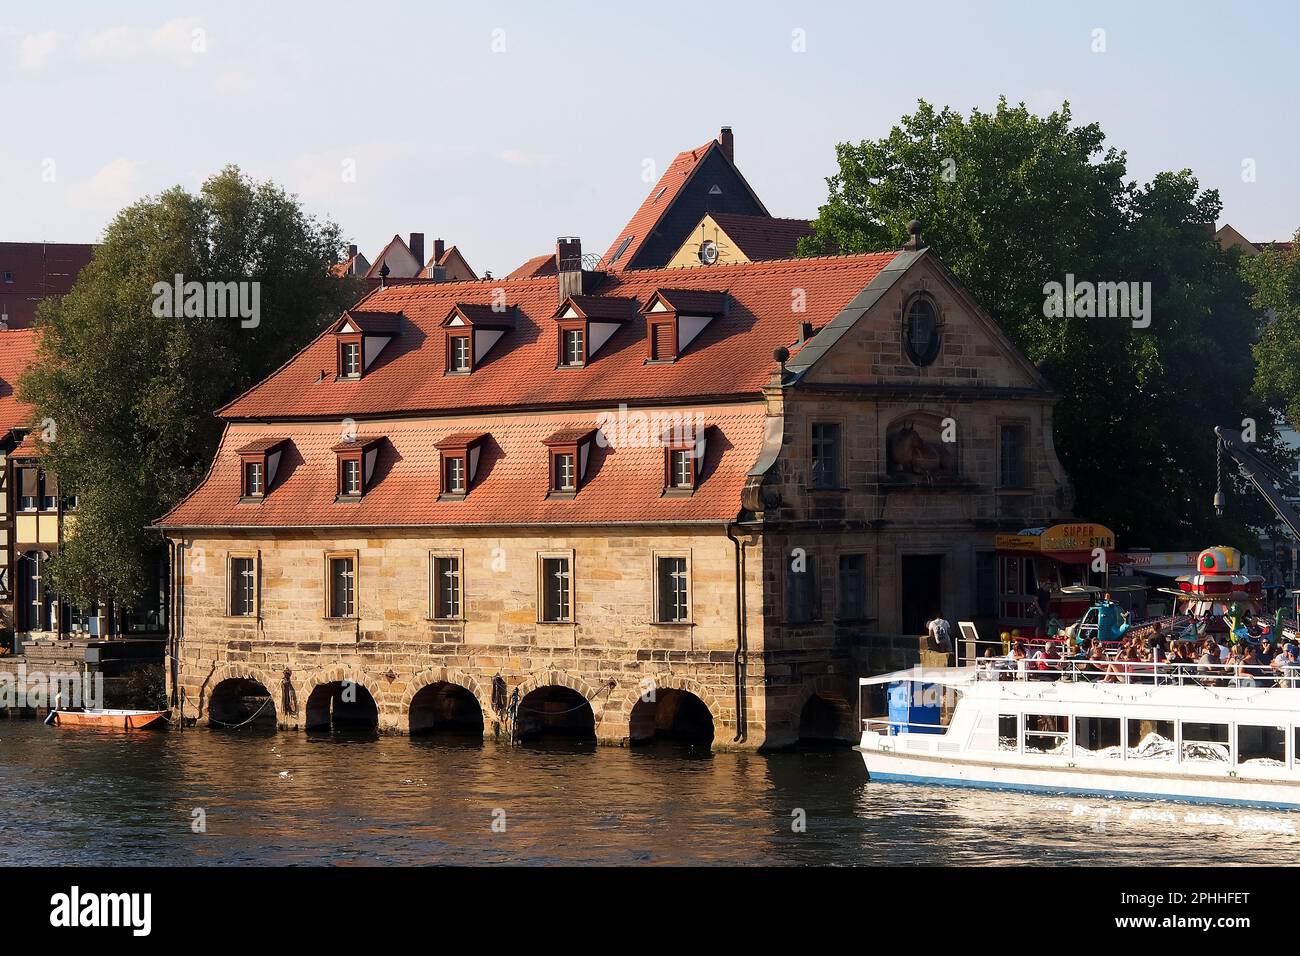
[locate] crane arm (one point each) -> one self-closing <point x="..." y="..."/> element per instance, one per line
<point x="1268" y="481"/>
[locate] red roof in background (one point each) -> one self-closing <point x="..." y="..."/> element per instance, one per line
<point x="371" y="322"/>
<point x="731" y="358"/>
<point x="694" y="301"/>
<point x="17" y="352"/>
<point x="536" y="266"/>
<point x="622" y="484"/>
<point x="29" y="447"/>
<point x="763" y="237"/>
<point x="37" y="270"/>
<point x="643" y="221"/>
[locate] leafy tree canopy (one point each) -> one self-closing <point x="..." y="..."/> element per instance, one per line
<point x="126" y="396"/>
<point x="1012" y="201"/>
<point x="1274" y="276"/>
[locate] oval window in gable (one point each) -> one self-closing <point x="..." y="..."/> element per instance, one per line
<point x="921" y="330"/>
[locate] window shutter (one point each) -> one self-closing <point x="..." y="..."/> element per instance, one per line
<point x="28" y="483"/>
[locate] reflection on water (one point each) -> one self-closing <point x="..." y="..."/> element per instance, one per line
<point x="96" y="798"/>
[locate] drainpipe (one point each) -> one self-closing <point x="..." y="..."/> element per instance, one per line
<point x="742" y="639"/>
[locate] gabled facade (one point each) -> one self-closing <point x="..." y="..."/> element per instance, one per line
<point x="730" y="238"/>
<point x="710" y="497"/>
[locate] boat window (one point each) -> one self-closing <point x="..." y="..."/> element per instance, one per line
<point x="1046" y="733"/>
<point x="1150" y="739"/>
<point x="1097" y="736"/>
<point x="1008" y="732"/>
<point x="1205" y="743"/>
<point x="1261" y="746"/>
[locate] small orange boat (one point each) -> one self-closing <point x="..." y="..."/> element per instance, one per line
<point x="109" y="719"/>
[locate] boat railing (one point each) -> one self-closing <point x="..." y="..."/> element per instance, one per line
<point x="1110" y="670"/>
<point x="882" y="725"/>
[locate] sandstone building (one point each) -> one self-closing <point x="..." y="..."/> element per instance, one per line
<point x="637" y="501"/>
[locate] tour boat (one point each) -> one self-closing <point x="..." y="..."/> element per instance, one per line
<point x="109" y="719"/>
<point x="1174" y="738"/>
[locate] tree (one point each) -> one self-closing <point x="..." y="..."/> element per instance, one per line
<point x="124" y="392"/>
<point x="1274" y="276"/>
<point x="1012" y="201"/>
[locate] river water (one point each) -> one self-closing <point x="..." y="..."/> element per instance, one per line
<point x="109" y="798"/>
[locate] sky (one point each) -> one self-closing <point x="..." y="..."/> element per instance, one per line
<point x="500" y="126"/>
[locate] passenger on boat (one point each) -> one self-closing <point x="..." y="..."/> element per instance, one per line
<point x="1286" y="664"/>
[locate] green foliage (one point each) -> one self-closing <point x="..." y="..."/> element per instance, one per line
<point x="1274" y="276"/>
<point x="1011" y="201"/>
<point x="131" y="395"/>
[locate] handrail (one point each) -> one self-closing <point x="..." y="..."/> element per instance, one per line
<point x="1112" y="670"/>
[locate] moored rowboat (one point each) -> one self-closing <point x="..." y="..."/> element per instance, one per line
<point x="109" y="719"/>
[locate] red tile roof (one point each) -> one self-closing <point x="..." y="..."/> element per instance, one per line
<point x="30" y="447"/>
<point x="612" y="307"/>
<point x="17" y="352"/>
<point x="37" y="270"/>
<point x="731" y="358"/>
<point x="642" y="223"/>
<point x="372" y="322"/>
<point x="694" y="301"/>
<point x="261" y="445"/>
<point x="622" y="484"/>
<point x="536" y="266"/>
<point x="357" y="443"/>
<point x="763" y="237"/>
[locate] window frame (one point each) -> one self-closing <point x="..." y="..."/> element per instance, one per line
<point x="1023" y="458"/>
<point x="330" y="558"/>
<point x="814" y="604"/>
<point x="560" y="454"/>
<point x="865" y="609"/>
<point x="573" y="327"/>
<point x="814" y="483"/>
<point x="657" y="595"/>
<point x="255" y="597"/>
<point x="435" y="585"/>
<point x="344" y="492"/>
<point x="922" y="360"/>
<point x="347" y="342"/>
<point x="571" y="599"/>
<point x="453" y="338"/>
<point x="247" y="465"/>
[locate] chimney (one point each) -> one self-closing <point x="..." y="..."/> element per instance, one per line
<point x="574" y="279"/>
<point x="417" y="247"/>
<point x="728" y="141"/>
<point x="439" y="247"/>
<point x="352" y="251"/>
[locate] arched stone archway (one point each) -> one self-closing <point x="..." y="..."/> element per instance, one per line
<point x="445" y="708"/>
<point x="556" y="703"/>
<point x="341" y="698"/>
<point x="665" y="706"/>
<point x="824" y="712"/>
<point x="238" y="671"/>
<point x="431" y="676"/>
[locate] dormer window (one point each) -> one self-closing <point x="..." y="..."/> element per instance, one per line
<point x="683" y="456"/>
<point x="458" y="358"/>
<point x="459" y="454"/>
<point x="569" y="454"/>
<point x="360" y="337"/>
<point x="573" y="352"/>
<point x="254" y="479"/>
<point x="259" y="461"/>
<point x="586" y="323"/>
<point x="350" y="359"/>
<point x="676" y="317"/>
<point x="472" y="331"/>
<point x="355" y="467"/>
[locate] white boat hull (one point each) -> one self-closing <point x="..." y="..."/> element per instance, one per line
<point x="920" y="768"/>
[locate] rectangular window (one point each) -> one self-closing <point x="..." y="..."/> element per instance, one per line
<point x="351" y="360"/>
<point x="1011" y="456"/>
<point x="454" y="475"/>
<point x="243" y="587"/>
<point x="825" y="455"/>
<point x="853" y="587"/>
<point x="1150" y="739"/>
<point x="566" y="475"/>
<point x="1008" y="732"/>
<point x="1205" y="743"/>
<point x="1097" y="737"/>
<point x="342" y="587"/>
<point x="29" y="488"/>
<point x="556" y="590"/>
<point x="253" y="479"/>
<point x="1261" y="746"/>
<point x="574" y="348"/>
<point x="460" y="353"/>
<point x="351" y="480"/>
<point x="674" y="603"/>
<point x="49" y="491"/>
<point x="1046" y="733"/>
<point x="682" y="467"/>
<point x="800" y="584"/>
<point x="446" y="587"/>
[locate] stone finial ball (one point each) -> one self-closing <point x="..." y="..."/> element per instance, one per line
<point x="781" y="354"/>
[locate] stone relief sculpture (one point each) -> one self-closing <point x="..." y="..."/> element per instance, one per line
<point x="915" y="448"/>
